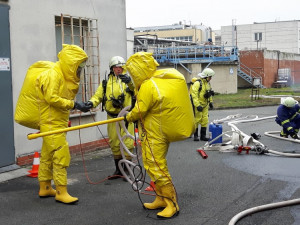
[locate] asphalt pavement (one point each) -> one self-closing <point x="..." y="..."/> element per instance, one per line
<point x="210" y="191"/>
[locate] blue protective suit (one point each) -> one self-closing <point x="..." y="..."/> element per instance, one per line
<point x="289" y="119"/>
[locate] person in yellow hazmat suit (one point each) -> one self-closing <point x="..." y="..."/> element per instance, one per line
<point x="164" y="114"/>
<point x="201" y="94"/>
<point x="49" y="89"/>
<point x="59" y="87"/>
<point x="115" y="94"/>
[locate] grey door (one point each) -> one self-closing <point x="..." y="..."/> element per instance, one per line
<point x="7" y="151"/>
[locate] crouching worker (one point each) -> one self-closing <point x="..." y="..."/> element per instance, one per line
<point x="164" y="114"/>
<point x="45" y="101"/>
<point x="288" y="117"/>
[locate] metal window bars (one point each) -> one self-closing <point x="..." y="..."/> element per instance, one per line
<point x="83" y="32"/>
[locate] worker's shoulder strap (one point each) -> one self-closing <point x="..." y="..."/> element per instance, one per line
<point x="200" y="87"/>
<point x="104" y="85"/>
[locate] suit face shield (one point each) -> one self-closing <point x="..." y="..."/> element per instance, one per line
<point x="80" y="69"/>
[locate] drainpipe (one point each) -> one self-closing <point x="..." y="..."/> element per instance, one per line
<point x="278" y="59"/>
<point x="278" y="62"/>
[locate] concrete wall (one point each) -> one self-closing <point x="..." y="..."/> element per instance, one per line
<point x="32" y="30"/>
<point x="224" y="82"/>
<point x="130" y="42"/>
<point x="280" y="35"/>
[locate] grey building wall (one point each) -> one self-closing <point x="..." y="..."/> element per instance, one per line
<point x="130" y="42"/>
<point x="225" y="79"/>
<point x="223" y="82"/>
<point x="280" y="35"/>
<point x="32" y="28"/>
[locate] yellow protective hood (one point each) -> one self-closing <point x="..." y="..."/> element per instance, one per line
<point x="70" y="57"/>
<point x="49" y="89"/>
<point x="141" y="67"/>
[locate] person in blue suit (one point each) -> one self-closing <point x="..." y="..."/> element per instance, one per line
<point x="288" y="118"/>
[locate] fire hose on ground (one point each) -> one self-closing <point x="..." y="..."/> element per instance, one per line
<point x="248" y="144"/>
<point x="253" y="145"/>
<point x="239" y="139"/>
<point x="260" y="208"/>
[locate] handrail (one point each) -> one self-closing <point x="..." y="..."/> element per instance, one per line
<point x="195" y="53"/>
<point x="249" y="71"/>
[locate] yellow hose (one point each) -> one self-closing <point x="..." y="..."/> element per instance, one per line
<point x="37" y="135"/>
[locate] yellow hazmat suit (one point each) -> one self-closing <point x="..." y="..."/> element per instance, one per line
<point x="202" y="101"/>
<point x="52" y="87"/>
<point x="115" y="88"/>
<point x="165" y="113"/>
<point x="199" y="100"/>
<point x="115" y="94"/>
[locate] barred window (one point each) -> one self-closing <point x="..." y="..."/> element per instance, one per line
<point x="84" y="33"/>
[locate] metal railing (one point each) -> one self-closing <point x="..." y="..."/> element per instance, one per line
<point x="195" y="54"/>
<point x="247" y="70"/>
<point x="249" y="75"/>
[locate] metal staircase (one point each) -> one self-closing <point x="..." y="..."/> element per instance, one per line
<point x="248" y="74"/>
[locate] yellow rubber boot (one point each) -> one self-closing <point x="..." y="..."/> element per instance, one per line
<point x="172" y="208"/>
<point x="63" y="196"/>
<point x="158" y="202"/>
<point x="46" y="189"/>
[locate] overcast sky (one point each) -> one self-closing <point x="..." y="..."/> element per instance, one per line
<point x="214" y="13"/>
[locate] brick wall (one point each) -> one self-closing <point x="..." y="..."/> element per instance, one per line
<point x="266" y="63"/>
<point x="74" y="150"/>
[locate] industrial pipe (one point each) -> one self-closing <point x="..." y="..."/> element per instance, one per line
<point x="37" y="135"/>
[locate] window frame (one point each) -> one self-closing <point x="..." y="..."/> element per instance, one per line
<point x="83" y="32"/>
<point x="258" y="36"/>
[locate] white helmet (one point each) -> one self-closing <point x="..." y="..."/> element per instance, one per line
<point x="116" y="61"/>
<point x="206" y="73"/>
<point x="289" y="102"/>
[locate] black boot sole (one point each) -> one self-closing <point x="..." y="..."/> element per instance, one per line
<point x="204" y="139"/>
<point x="71" y="203"/>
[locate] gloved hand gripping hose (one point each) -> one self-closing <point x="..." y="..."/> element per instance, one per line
<point x="130" y="176"/>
